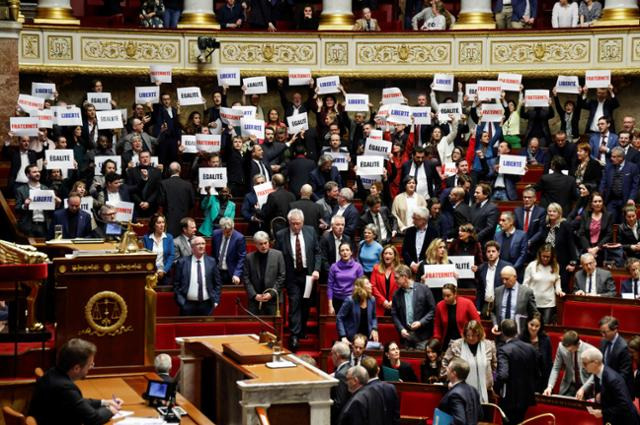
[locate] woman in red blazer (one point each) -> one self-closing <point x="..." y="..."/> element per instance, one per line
<point x="383" y="281"/>
<point x="465" y="310"/>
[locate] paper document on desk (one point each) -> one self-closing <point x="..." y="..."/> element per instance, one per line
<point x="308" y="286"/>
<point x="133" y="420"/>
<point x="122" y="414"/>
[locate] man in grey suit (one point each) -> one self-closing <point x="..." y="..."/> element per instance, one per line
<point x="149" y="143"/>
<point x="182" y="243"/>
<point x="513" y="301"/>
<point x="592" y="280"/>
<point x="263" y="270"/>
<point x="568" y="358"/>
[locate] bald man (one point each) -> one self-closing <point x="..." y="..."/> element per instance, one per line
<point x="313" y="212"/>
<point x="512" y="301"/>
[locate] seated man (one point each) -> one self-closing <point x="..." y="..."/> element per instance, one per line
<point x="57" y="400"/>
<point x="366" y="23"/>
<point x="592" y="280"/>
<point x="631" y="287"/>
<point x="162" y="365"/>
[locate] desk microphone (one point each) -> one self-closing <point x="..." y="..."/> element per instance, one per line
<point x="258" y="318"/>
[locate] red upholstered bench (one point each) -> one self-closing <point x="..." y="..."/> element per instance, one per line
<point x="419" y="399"/>
<point x="167" y="307"/>
<point x="628" y="316"/>
<point x="579" y="314"/>
<point x="566" y="411"/>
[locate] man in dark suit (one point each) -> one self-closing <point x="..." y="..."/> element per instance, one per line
<point x="346" y="209"/>
<point x="630" y="153"/>
<point x="619" y="185"/>
<point x="460" y="210"/>
<point x="561" y="147"/>
<point x="489" y="276"/>
<point x="57" y="399"/>
<point x="356" y="410"/>
<point x="229" y="248"/>
<point x="569" y="115"/>
<point x="75" y="222"/>
<point x="417" y="238"/>
<point x="462" y="169"/>
<point x="257" y="163"/>
<point x="145" y="181"/>
<point x="381" y="217"/>
<point x="340" y="393"/>
<point x="177" y="198"/>
<point x="330" y="243"/>
<point x="313" y="212"/>
<point x="299" y="169"/>
<point x="295" y="105"/>
<point x="557" y="187"/>
<point x="535" y="155"/>
<point x="512" y="301"/>
<point x="427" y="178"/>
<point x="484" y="214"/>
<point x="631" y="287"/>
<point x="197" y="284"/>
<point x="166" y="128"/>
<point x="530" y="218"/>
<point x="603" y="141"/>
<point x="519" y="368"/>
<point x="513" y="242"/>
<point x="114" y="190"/>
<point x="415" y="325"/>
<point x="20" y="158"/>
<point x="616" y="402"/>
<point x="32" y="222"/>
<point x="606" y="103"/>
<point x="592" y="280"/>
<point x="383" y="396"/>
<point x="537" y="123"/>
<point x="278" y="201"/>
<point x="462" y="401"/>
<point x="299" y="245"/>
<point x="263" y="270"/>
<point x="325" y="172"/>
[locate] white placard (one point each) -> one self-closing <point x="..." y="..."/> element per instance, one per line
<point x="443" y="82"/>
<point x="328" y="85"/>
<point x="250" y="127"/>
<point x="340" y="160"/>
<point x="454" y="108"/>
<point x="375" y="134"/>
<point x="491" y="112"/>
<point x="298" y="123"/>
<point x="568" y="84"/>
<point x="399" y="114"/>
<point x="463" y="264"/>
<point x="450" y="169"/>
<point x="255" y="85"/>
<point x="437" y="275"/>
<point x="30" y="104"/>
<point x="189" y="143"/>
<point x="86" y="203"/>
<point x="377" y="148"/>
<point x="69" y="116"/>
<point x="59" y="158"/>
<point x="42" y="200"/>
<point x="391" y="95"/>
<point x="212" y="177"/>
<point x="536" y="98"/>
<point x="370" y="165"/>
<point x="510" y="82"/>
<point x="100" y="159"/>
<point x="109" y="119"/>
<point x="421" y="115"/>
<point x="124" y="211"/>
<point x="299" y="76"/>
<point x="262" y="192"/>
<point x="43" y="90"/>
<point x="470" y="90"/>
<point x="45" y="118"/>
<point x="160" y="73"/>
<point x="512" y="164"/>
<point x="229" y="77"/>
<point x="208" y="142"/>
<point x="383" y="112"/>
<point x="356" y="103"/>
<point x="231" y="116"/>
<point x="308" y="287"/>
<point x="146" y="94"/>
<point x="248" y="111"/>
<point x="189" y="96"/>
<point x="101" y="100"/>
<point x="488" y="90"/>
<point x="24" y="126"/>
<point x="597" y="79"/>
<point x="368" y="181"/>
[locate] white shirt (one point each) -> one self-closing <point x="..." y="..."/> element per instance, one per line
<point x="594" y="287"/>
<point x="169" y="111"/>
<point x="338" y="242"/>
<point x="158" y="248"/>
<point x="262" y="168"/>
<point x="292" y="239"/>
<point x="489" y="292"/>
<point x="422" y="185"/>
<point x="543" y="282"/>
<point x="412" y="204"/>
<point x="564" y="16"/>
<point x="192" y="293"/>
<point x="340" y="211"/>
<point x="420" y="234"/>
<point x="596" y="116"/>
<point x="21" y="177"/>
<point x="113" y="197"/>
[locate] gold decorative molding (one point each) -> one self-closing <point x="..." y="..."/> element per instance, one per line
<point x="276" y="53"/>
<point x="55" y="15"/>
<point x="475" y="21"/>
<point x="30" y="45"/>
<point x="194" y="52"/>
<point x="635" y="49"/>
<point x="610" y="49"/>
<point x="130" y="50"/>
<point x="618" y="16"/>
<point x="199" y="20"/>
<point x="470" y="53"/>
<point x="522" y="52"/>
<point x="59" y="47"/>
<point x="336" y="53"/>
<point x="336" y="21"/>
<point x="426" y="53"/>
<point x="128" y="267"/>
<point x="105" y="313"/>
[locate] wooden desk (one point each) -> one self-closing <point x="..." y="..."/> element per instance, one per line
<point x="129" y="388"/>
<point x="217" y="383"/>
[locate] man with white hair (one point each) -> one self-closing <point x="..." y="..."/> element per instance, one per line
<point x="264" y="273"/>
<point x="356" y="411"/>
<point x="331" y="241"/>
<point x="593" y="280"/>
<point x="162" y="365"/>
<point x="346" y="209"/>
<point x="340" y="353"/>
<point x="301" y="250"/>
<point x="229" y="248"/>
<point x="417" y="238"/>
<point x="512" y="301"/>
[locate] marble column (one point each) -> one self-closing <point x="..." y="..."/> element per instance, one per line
<point x="55" y="12"/>
<point x="475" y="14"/>
<point x="9" y="71"/>
<point x="198" y="14"/>
<point x="619" y="12"/>
<point x="336" y="15"/>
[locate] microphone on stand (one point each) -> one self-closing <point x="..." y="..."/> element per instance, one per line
<point x="272" y="337"/>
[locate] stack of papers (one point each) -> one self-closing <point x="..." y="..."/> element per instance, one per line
<point x="133" y="420"/>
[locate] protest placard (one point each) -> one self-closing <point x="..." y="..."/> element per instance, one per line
<point x="212" y="177"/>
<point x="250" y="127"/>
<point x="464" y="264"/>
<point x="299" y="76"/>
<point x="42" y="200"/>
<point x="108" y="120"/>
<point x="510" y="82"/>
<point x="328" y="85"/>
<point x="228" y="77"/>
<point x="101" y="100"/>
<point x="146" y="94"/>
<point x="536" y="98"/>
<point x="43" y="90"/>
<point x="421" y="115"/>
<point x="30" y="104"/>
<point x="356" y="103"/>
<point x="24" y="126"/>
<point x="189" y="143"/>
<point x="370" y="165"/>
<point x="255" y="85"/>
<point x="437" y="275"/>
<point x="298" y="123"/>
<point x="160" y="73"/>
<point x="391" y="95"/>
<point x="597" y="79"/>
<point x="68" y="116"/>
<point x="443" y="82"/>
<point x="488" y="90"/>
<point x="512" y="164"/>
<point x="59" y="158"/>
<point x="124" y="210"/>
<point x="568" y="84"/>
<point x="491" y="112"/>
<point x="209" y="143"/>
<point x="262" y="192"/>
<point x="188" y="96"/>
<point x="377" y="148"/>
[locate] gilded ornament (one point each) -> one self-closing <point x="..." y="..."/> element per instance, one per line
<point x="130" y="49"/>
<point x="106" y="267"/>
<point x="538" y="51"/>
<point x="154" y="50"/>
<point x="535" y="51"/>
<point x="128" y="267"/>
<point x="106" y="313"/>
<point x="414" y="53"/>
<point x="403" y="52"/>
<point x="85" y="268"/>
<point x="150" y="266"/>
<point x="336" y="53"/>
<point x="636" y="49"/>
<point x="268" y="52"/>
<point x="59" y="47"/>
<point x="62" y="269"/>
<point x="610" y="50"/>
<point x="30" y="46"/>
<point x="470" y="53"/>
<point x="257" y="53"/>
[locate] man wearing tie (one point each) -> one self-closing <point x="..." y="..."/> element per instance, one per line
<point x="513" y="242"/>
<point x="257" y="164"/>
<point x="197" y="283"/>
<point x="417" y="238"/>
<point x="330" y="243"/>
<point x="592" y="280"/>
<point x="619" y="184"/>
<point x="568" y="359"/>
<point x="603" y="141"/>
<point x="512" y="301"/>
<point x="631" y="287"/>
<point x="229" y="250"/>
<point x="427" y="179"/>
<point x="629" y="232"/>
<point x="530" y="218"/>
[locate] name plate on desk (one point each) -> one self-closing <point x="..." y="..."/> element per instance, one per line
<point x="249" y="352"/>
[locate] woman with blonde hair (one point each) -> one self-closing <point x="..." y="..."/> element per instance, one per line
<point x="383" y="279"/>
<point x="559" y="235"/>
<point x="358" y="313"/>
<point x="543" y="276"/>
<point x="436" y="254"/>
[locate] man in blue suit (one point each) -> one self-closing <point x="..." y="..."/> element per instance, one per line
<point x="513" y="242"/>
<point x="229" y="250"/>
<point x="196" y="283"/>
<point x="603" y="141"/>
<point x="619" y="185"/>
<point x="166" y="124"/>
<point x="462" y="401"/>
<point x="530" y="218"/>
<point x="346" y="209"/>
<point x="488" y="275"/>
<point x="75" y="222"/>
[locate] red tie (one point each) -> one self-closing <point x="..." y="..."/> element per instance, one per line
<point x="298" y="253"/>
<point x="526" y="221"/>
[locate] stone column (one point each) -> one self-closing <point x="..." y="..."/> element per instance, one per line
<point x="336" y="15"/>
<point x="475" y="14"/>
<point x="55" y="12"/>
<point x="619" y="12"/>
<point x="198" y="14"/>
<point x="9" y="77"/>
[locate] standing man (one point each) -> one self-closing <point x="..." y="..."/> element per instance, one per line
<point x="462" y="401"/>
<point x="278" y="201"/>
<point x="513" y="242"/>
<point x="196" y="283"/>
<point x="519" y="368"/>
<point x="346" y="209"/>
<point x="460" y="210"/>
<point x="145" y="182"/>
<point x="32" y="222"/>
<point x="381" y="217"/>
<point x="513" y="301"/>
<point x="75" y="222"/>
<point x="167" y="128"/>
<point x="229" y="249"/>
<point x="20" y="158"/>
<point x="382" y="396"/>
<point x="530" y="218"/>
<point x="427" y="178"/>
<point x="263" y="269"/>
<point x="330" y="243"/>
<point x="489" y="277"/>
<point x="299" y="245"/>
<point x="417" y="238"/>
<point x="557" y="187"/>
<point x="484" y="214"/>
<point x="340" y="393"/>
<point x="602" y="140"/>
<point x="313" y="212"/>
<point x="619" y="185"/>
<point x="177" y="198"/>
<point x="602" y="106"/>
<point x="568" y="355"/>
<point x="355" y="411"/>
<point x="182" y="243"/>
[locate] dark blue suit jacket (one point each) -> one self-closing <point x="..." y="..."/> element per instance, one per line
<point x="629" y="181"/>
<point x="318" y="179"/>
<point x="348" y="318"/>
<point x="482" y="277"/>
<point x="168" y="250"/>
<point x="433" y="178"/>
<point x="615" y="399"/>
<point x="182" y="279"/>
<point x="519" y="7"/>
<point x="594" y="141"/>
<point x="463" y="403"/>
<point x="83" y="228"/>
<point x="518" y="251"/>
<point x="608" y="107"/>
<point x="536" y="223"/>
<point x="160" y="116"/>
<point x="311" y="246"/>
<point x="236" y="251"/>
<point x="627" y="287"/>
<point x="351" y="219"/>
